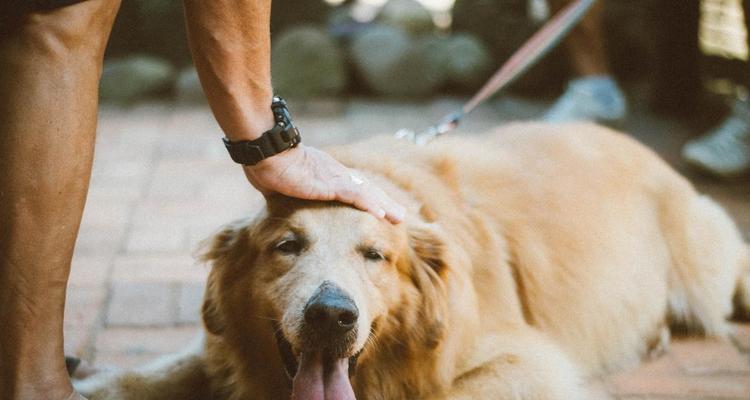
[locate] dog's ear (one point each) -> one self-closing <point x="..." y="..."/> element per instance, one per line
<point x="226" y="251"/>
<point x="429" y="263"/>
<point x="212" y="317"/>
<point x="224" y="243"/>
<point x="428" y="245"/>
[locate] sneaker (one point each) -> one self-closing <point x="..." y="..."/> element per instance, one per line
<point x="594" y="98"/>
<point x="725" y="151"/>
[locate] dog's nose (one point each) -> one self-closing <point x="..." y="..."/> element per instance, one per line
<point x="330" y="310"/>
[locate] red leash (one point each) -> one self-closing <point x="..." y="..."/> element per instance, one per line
<point x="524" y="58"/>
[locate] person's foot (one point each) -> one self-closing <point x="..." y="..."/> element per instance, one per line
<point x="725" y="151"/>
<point x="592" y="98"/>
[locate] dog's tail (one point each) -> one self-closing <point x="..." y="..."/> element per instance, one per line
<point x="709" y="265"/>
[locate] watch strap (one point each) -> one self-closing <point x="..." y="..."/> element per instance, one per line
<point x="283" y="136"/>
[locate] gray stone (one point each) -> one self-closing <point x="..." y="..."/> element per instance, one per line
<point x="503" y="26"/>
<point x="469" y="63"/>
<point x="392" y="64"/>
<point x="188" y="87"/>
<point x="127" y="79"/>
<point x="189" y="301"/>
<point x="408" y="15"/>
<point x="287" y="14"/>
<point x="306" y="62"/>
<point x="153" y="27"/>
<point x="142" y="304"/>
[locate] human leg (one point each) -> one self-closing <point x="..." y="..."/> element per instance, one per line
<point x="594" y="94"/>
<point x="677" y="85"/>
<point x="725" y="150"/>
<point x="50" y="63"/>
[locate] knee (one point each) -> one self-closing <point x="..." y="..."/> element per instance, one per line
<point x="75" y="32"/>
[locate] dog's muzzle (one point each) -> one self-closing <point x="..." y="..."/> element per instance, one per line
<point x="329" y="327"/>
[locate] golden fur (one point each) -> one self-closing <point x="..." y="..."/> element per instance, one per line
<point x="531" y="258"/>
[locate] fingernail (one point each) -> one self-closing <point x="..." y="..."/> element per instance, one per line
<point x="380" y="213"/>
<point x="401" y="214"/>
<point x="398" y="215"/>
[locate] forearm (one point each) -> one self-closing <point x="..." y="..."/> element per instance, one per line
<point x="231" y="46"/>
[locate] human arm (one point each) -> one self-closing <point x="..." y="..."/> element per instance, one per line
<point x="231" y="46"/>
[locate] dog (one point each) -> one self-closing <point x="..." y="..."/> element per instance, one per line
<point x="530" y="260"/>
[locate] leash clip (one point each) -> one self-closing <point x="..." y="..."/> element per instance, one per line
<point x="448" y="123"/>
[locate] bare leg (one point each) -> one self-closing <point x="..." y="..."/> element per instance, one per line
<point x="594" y="95"/>
<point x="585" y="43"/>
<point x="49" y="71"/>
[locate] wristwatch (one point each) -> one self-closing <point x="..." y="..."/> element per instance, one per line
<point x="283" y="136"/>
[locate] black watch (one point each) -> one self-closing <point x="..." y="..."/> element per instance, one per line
<point x="283" y="136"/>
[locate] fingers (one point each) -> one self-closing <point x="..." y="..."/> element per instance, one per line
<point x="308" y="173"/>
<point x="394" y="212"/>
<point x="370" y="198"/>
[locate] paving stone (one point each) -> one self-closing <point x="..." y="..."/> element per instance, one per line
<point x="664" y="365"/>
<point x="179" y="213"/>
<point x="697" y="356"/>
<point x="105" y="215"/>
<point x="83" y="310"/>
<point x="156" y="239"/>
<point x="100" y="241"/>
<point x="189" y="301"/>
<point x="682" y="397"/>
<point x="89" y="270"/>
<point x="176" y="267"/>
<point x="121" y="169"/>
<point x="734" y="387"/>
<point x="131" y="347"/>
<point x="107" y="190"/>
<point x="142" y="304"/>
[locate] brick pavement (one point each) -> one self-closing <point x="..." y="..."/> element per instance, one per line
<point x="162" y="183"/>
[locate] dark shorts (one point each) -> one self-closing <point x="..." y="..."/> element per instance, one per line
<point x="14" y="12"/>
<point x="42" y="5"/>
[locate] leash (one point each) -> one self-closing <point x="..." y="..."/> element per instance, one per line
<point x="544" y="40"/>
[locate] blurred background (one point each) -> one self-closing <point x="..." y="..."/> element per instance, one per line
<point x="339" y="48"/>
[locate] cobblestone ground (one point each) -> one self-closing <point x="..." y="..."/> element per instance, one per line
<point x="162" y="182"/>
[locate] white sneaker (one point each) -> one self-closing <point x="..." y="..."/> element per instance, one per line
<point x="725" y="151"/>
<point x="594" y="98"/>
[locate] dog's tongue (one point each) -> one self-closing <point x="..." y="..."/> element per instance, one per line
<point x="319" y="379"/>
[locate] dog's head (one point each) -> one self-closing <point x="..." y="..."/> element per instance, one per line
<point x="330" y="284"/>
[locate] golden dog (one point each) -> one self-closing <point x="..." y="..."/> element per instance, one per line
<point x="530" y="259"/>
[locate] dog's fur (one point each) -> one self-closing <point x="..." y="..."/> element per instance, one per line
<point x="530" y="259"/>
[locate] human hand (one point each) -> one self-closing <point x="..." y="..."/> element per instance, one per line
<point x="308" y="173"/>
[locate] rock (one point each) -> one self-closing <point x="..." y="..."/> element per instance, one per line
<point x="408" y="15"/>
<point x="287" y="14"/>
<point x="469" y="63"/>
<point x="503" y="26"/>
<point x="153" y="27"/>
<point x="420" y="71"/>
<point x="188" y="87"/>
<point x="392" y="64"/>
<point x="306" y="62"/>
<point x="127" y="79"/>
<point x="374" y="53"/>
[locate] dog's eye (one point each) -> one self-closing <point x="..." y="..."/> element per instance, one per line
<point x="289" y="246"/>
<point x="373" y="255"/>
